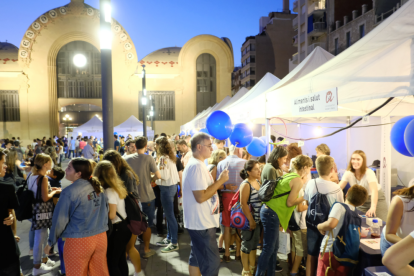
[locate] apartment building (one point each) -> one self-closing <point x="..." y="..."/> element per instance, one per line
<point x="270" y="50"/>
<point x="350" y="20"/>
<point x="236" y="80"/>
<point x="310" y="29"/>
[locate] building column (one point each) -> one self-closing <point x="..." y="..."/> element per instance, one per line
<point x="24" y="106"/>
<point x="53" y="101"/>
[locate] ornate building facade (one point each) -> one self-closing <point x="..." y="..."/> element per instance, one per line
<point x="40" y="84"/>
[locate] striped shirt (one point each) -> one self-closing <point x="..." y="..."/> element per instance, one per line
<point x="255" y="202"/>
<point x="235" y="165"/>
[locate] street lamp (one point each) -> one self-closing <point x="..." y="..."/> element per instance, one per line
<point x="144" y="102"/>
<point x="152" y="113"/>
<point x="106" y="73"/>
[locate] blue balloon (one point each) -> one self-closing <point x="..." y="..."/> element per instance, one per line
<point x="219" y="125"/>
<point x="257" y="147"/>
<point x="241" y="136"/>
<point x="263" y="138"/>
<point x="397" y="135"/>
<point x="205" y="130"/>
<point x="115" y="133"/>
<point x="192" y="132"/>
<point x="409" y="137"/>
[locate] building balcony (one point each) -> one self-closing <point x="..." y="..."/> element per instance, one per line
<point x="317" y="29"/>
<point x="314" y="45"/>
<point x="302" y="37"/>
<point x="302" y="3"/>
<point x="295" y="5"/>
<point x="295" y="58"/>
<point x="295" y="40"/>
<point x="302" y="18"/>
<point x="316" y="8"/>
<point x="295" y="22"/>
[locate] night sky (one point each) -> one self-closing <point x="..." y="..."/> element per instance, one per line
<point x="155" y="24"/>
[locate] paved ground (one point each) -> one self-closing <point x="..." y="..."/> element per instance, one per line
<point x="171" y="264"/>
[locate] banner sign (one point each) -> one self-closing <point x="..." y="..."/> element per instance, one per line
<point x="320" y="102"/>
<point x="385" y="171"/>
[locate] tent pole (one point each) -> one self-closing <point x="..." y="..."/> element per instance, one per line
<point x="267" y="132"/>
<point x="348" y="138"/>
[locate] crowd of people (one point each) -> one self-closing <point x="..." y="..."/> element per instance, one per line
<point x="88" y="221"/>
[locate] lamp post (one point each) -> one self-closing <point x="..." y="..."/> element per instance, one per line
<point x="152" y="112"/>
<point x="106" y="73"/>
<point x="144" y="102"/>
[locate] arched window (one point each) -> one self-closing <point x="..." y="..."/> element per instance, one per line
<point x="79" y="82"/>
<point x="206" y="82"/>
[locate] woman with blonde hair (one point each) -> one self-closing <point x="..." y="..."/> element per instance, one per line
<point x="131" y="182"/>
<point x="81" y="217"/>
<point x="42" y="211"/>
<point x="13" y="171"/>
<point x="116" y="193"/>
<point x="168" y="188"/>
<point x="358" y="174"/>
<point x="215" y="158"/>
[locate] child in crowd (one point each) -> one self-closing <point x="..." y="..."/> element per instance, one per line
<point x="55" y="175"/>
<point x="322" y="185"/>
<point x="356" y="196"/>
<point x="101" y="154"/>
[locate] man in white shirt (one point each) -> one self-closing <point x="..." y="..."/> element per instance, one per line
<point x="201" y="208"/>
<point x="72" y="147"/>
<point x="323" y="185"/>
<point x="182" y="146"/>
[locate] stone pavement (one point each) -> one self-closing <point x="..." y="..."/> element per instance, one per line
<point x="168" y="264"/>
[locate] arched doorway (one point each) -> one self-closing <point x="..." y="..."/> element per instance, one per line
<point x="74" y="115"/>
<point x="206" y="81"/>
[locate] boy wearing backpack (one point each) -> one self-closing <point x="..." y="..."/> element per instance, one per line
<point x="338" y="255"/>
<point x="320" y="194"/>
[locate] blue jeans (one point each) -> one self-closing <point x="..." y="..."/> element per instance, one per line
<point x="31" y="236"/>
<point x="267" y="260"/>
<point x="167" y="194"/>
<point x="204" y="251"/>
<point x="73" y="153"/>
<point x="40" y="241"/>
<point x="149" y="209"/>
<point x="61" y="245"/>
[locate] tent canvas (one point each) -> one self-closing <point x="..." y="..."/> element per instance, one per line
<point x="93" y="127"/>
<point x="201" y="122"/>
<point x="134" y="127"/>
<point x="251" y="105"/>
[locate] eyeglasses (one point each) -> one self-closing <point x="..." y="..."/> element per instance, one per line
<point x="209" y="146"/>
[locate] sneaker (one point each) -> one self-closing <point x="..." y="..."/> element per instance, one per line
<point x="43" y="269"/>
<point x="31" y="252"/>
<point x="148" y="254"/>
<point x="232" y="248"/>
<point x="50" y="263"/>
<point x="170" y="248"/>
<point x="279" y="268"/>
<point x="221" y="250"/>
<point x="164" y="242"/>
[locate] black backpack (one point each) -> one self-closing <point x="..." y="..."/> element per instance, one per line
<point x="137" y="220"/>
<point x="293" y="226"/>
<point x="267" y="190"/>
<point x="26" y="200"/>
<point x="318" y="210"/>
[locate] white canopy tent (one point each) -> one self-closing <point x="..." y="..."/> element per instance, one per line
<point x="93" y="127"/>
<point x="188" y="125"/>
<point x="379" y="66"/>
<point x="134" y="127"/>
<point x="250" y="106"/>
<point x="200" y="122"/>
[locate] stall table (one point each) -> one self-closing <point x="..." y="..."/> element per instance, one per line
<point x="368" y="257"/>
<point x="371" y="271"/>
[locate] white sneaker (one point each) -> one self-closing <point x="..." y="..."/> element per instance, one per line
<point x="31" y="252"/>
<point x="50" y="263"/>
<point x="43" y="269"/>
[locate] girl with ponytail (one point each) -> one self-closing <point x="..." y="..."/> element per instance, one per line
<point x="249" y="196"/>
<point x="81" y="216"/>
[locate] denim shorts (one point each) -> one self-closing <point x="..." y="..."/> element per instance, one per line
<point x="204" y="251"/>
<point x="314" y="241"/>
<point x="250" y="239"/>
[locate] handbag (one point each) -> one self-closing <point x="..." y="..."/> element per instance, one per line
<point x="26" y="200"/>
<point x="237" y="217"/>
<point x="42" y="211"/>
<point x="284" y="243"/>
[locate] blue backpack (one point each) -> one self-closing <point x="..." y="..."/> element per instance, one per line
<point x="318" y="210"/>
<point x="346" y="244"/>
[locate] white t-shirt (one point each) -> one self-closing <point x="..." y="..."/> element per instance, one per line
<point x="32" y="184"/>
<point x="113" y="198"/>
<point x="168" y="171"/>
<point x="338" y="212"/>
<point x="300" y="217"/>
<point x="331" y="189"/>
<point x="368" y="177"/>
<point x="198" y="216"/>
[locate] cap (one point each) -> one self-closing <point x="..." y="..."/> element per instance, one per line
<point x="375" y="221"/>
<point x="375" y="164"/>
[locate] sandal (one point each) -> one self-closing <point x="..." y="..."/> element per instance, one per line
<point x="246" y="273"/>
<point x="252" y="269"/>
